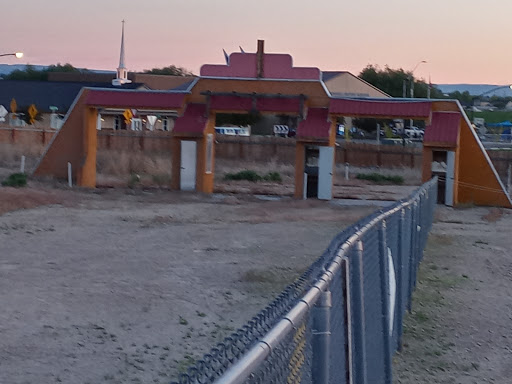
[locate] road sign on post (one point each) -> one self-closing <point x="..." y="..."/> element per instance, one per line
<point x="32" y="113"/>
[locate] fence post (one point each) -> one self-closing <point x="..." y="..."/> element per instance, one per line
<point x="385" y="304"/>
<point x="22" y="165"/>
<point x="358" y="317"/>
<point x="400" y="277"/>
<point x="321" y="338"/>
<point x="411" y="255"/>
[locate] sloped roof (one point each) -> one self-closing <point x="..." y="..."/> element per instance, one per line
<point x="44" y="94"/>
<point x="182" y="87"/>
<point x="328" y="75"/>
<point x="161" y="82"/>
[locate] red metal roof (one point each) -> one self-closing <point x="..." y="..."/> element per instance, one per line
<point x="135" y="99"/>
<point x="380" y="108"/>
<point x="193" y="120"/>
<point x="444" y="128"/>
<point x="316" y="124"/>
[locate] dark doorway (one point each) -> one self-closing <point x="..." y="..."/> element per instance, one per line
<point x="439" y="167"/>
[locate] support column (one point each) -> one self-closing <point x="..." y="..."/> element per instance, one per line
<point x="300" y="155"/>
<point x="175" y="163"/>
<point x="206" y="157"/>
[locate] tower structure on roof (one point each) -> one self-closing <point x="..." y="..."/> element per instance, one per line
<point x="122" y="72"/>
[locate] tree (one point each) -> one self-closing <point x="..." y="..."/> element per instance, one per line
<point x="392" y="82"/>
<point x="170" y="70"/>
<point x="30" y="73"/>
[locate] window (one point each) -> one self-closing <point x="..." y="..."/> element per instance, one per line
<point x="165" y="124"/>
<point x="117" y="123"/>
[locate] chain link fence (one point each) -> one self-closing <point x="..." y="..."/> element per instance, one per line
<point x="341" y="321"/>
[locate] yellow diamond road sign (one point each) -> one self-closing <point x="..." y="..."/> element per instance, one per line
<point x="32" y="112"/>
<point x="127" y="115"/>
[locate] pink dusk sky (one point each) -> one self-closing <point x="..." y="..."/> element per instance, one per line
<point x="463" y="41"/>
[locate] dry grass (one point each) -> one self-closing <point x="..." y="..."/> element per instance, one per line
<point x="10" y="155"/>
<point x="123" y="163"/>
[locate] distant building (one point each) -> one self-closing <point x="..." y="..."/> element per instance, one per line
<point x="345" y="84"/>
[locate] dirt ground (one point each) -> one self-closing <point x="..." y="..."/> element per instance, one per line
<point x="460" y="330"/>
<point x="132" y="286"/>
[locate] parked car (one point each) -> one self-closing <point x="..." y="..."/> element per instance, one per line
<point x="414" y="132"/>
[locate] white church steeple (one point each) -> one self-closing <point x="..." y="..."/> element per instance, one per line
<point x="122" y="72"/>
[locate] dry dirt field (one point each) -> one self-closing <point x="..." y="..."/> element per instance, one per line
<point x="122" y="286"/>
<point x="459" y="331"/>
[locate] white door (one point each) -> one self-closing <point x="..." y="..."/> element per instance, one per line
<point x="188" y="165"/>
<point x="450" y="173"/>
<point x="325" y="169"/>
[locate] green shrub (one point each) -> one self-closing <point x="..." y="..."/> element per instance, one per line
<point x="243" y="175"/>
<point x="273" y="176"/>
<point x="253" y="176"/>
<point x="378" y="178"/>
<point x="15" y="180"/>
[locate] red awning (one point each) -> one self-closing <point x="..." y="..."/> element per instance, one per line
<point x="135" y="99"/>
<point x="193" y="120"/>
<point x="380" y="108"/>
<point x="316" y="125"/>
<point x="444" y="128"/>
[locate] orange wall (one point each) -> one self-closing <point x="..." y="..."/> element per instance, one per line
<point x="66" y="146"/>
<point x="477" y="183"/>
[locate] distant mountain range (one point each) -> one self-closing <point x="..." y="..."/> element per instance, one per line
<point x="477" y="89"/>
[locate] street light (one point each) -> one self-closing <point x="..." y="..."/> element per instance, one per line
<point x="411" y="78"/>
<point x="411" y="83"/>
<point x="18" y="55"/>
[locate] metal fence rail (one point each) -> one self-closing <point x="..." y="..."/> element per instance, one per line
<point x="341" y="321"/>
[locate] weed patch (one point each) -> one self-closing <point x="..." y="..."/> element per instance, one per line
<point x="15" y="180"/>
<point x="253" y="176"/>
<point x="382" y="179"/>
